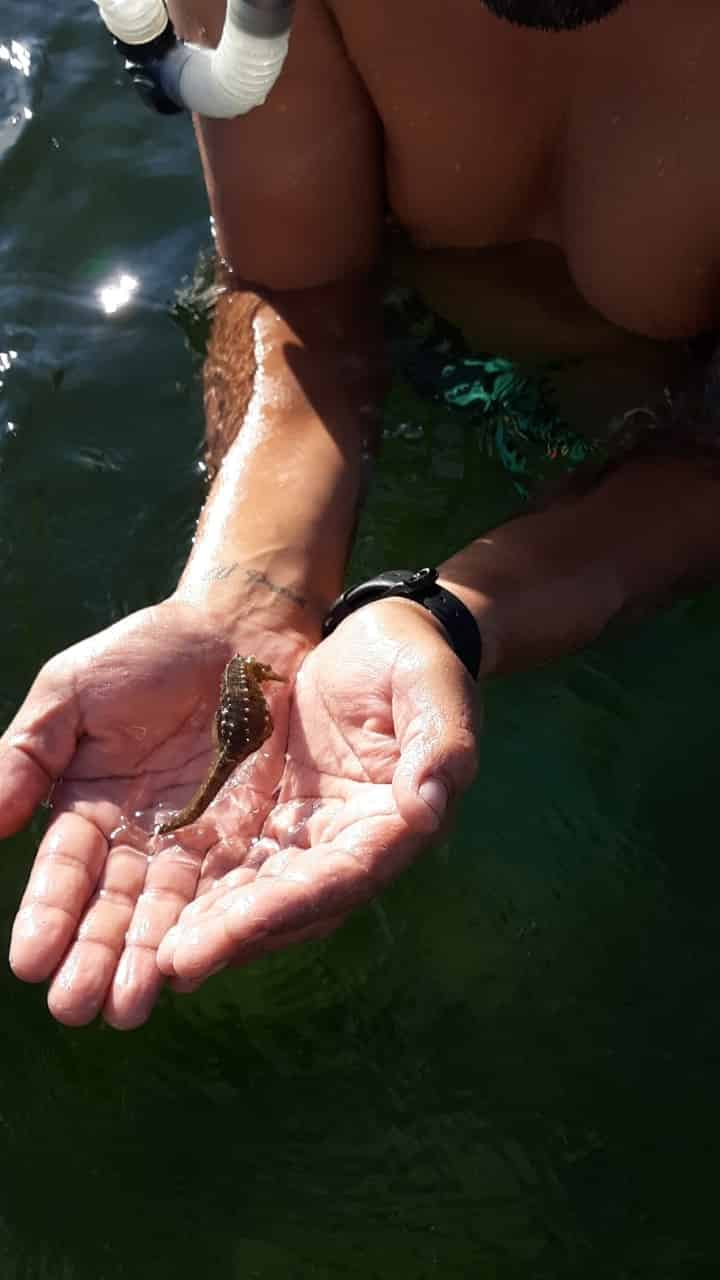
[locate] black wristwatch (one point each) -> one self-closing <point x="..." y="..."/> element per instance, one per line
<point x="420" y="585"/>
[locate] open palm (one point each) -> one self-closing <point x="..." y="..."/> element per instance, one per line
<point x="382" y="734"/>
<point x="120" y="725"/>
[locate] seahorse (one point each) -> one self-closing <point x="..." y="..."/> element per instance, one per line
<point x="242" y="723"/>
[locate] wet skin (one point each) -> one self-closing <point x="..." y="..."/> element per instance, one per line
<point x="595" y="141"/>
<point x="589" y="153"/>
<point x="482" y="133"/>
<point x="553" y="187"/>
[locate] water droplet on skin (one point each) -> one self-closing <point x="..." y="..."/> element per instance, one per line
<point x="265" y="844"/>
<point x="29" y="922"/>
<point x="47" y="801"/>
<point x="132" y="831"/>
<point x="68" y="973"/>
<point x="138" y="932"/>
<point x="124" y="974"/>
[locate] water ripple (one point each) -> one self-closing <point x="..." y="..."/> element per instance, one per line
<point x="17" y="64"/>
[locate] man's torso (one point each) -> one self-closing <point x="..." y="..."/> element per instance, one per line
<point x="585" y="157"/>
<point x="600" y="141"/>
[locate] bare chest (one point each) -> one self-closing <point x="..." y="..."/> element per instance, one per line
<point x="600" y="142"/>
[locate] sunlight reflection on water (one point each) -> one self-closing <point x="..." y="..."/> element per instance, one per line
<point x="117" y="293"/>
<point x="16" y="64"/>
<point x="17" y="55"/>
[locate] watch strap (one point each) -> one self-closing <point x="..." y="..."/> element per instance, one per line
<point x="421" y="586"/>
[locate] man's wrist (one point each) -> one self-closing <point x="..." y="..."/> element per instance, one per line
<point x="237" y="594"/>
<point x="481" y="605"/>
<point x="421" y="587"/>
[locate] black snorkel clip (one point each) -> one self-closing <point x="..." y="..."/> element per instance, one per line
<point x="143" y="65"/>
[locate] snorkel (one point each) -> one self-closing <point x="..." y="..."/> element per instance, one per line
<point x="223" y="82"/>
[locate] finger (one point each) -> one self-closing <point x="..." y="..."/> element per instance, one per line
<point x="186" y="986"/>
<point x="63" y="878"/>
<point x="80" y="985"/>
<point x="296" y="890"/>
<point x="36" y="749"/>
<point x="170" y="885"/>
<point x="76" y="993"/>
<point x="134" y="991"/>
<point x="311" y="933"/>
<point x="437" y="721"/>
<point x="197" y="910"/>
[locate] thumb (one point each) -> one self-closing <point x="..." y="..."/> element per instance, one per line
<point x="36" y="748"/>
<point x="436" y="709"/>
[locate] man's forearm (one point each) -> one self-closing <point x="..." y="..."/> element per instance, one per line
<point x="548" y="583"/>
<point x="293" y="389"/>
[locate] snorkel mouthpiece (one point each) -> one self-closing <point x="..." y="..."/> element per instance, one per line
<point x="224" y="82"/>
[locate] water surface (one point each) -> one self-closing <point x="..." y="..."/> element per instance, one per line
<point x="504" y="1069"/>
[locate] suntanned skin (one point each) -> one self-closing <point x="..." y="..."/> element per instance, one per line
<point x="555" y="192"/>
<point x="563" y="153"/>
<point x="596" y="141"/>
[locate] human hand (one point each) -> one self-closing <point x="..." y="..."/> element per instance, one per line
<point x="120" y="723"/>
<point x="381" y="739"/>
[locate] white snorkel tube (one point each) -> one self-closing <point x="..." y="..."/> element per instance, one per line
<point x="224" y="82"/>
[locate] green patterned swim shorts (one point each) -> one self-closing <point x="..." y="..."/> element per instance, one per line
<point x="510" y="407"/>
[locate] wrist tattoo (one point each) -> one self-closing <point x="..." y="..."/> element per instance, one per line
<point x="219" y="572"/>
<point x="222" y="571"/>
<point x="254" y="575"/>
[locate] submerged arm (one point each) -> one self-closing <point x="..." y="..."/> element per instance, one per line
<point x="548" y="583"/>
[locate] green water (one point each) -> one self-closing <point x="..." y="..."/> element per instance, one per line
<point x="506" y="1068"/>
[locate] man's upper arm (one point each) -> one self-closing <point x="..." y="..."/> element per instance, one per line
<point x="296" y="186"/>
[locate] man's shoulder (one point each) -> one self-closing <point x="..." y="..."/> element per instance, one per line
<point x="296" y="185"/>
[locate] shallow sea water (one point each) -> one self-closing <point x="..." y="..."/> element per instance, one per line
<point x="506" y="1069"/>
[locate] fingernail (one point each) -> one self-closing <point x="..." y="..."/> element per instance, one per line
<point x="435" y="795"/>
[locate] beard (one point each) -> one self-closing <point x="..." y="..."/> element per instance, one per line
<point x="552" y="15"/>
